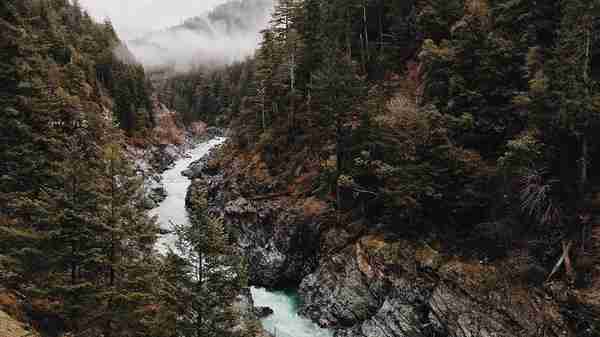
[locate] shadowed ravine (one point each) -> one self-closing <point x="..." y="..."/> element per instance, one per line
<point x="285" y="321"/>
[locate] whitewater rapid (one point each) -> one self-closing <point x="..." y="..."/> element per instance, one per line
<point x="285" y="321"/>
<point x="172" y="210"/>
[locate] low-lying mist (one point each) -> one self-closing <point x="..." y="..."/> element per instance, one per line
<point x="228" y="33"/>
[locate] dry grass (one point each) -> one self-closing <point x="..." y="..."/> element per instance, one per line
<point x="9" y="303"/>
<point x="478" y="8"/>
<point x="9" y="327"/>
<point x="167" y="130"/>
<point x="472" y="274"/>
<point x="314" y="207"/>
<point x="198" y="128"/>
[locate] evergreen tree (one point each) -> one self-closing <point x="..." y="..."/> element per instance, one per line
<point x="213" y="274"/>
<point x="337" y="92"/>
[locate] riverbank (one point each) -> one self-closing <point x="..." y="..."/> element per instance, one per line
<point x="172" y="210"/>
<point x="152" y="160"/>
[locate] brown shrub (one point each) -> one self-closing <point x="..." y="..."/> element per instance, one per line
<point x="198" y="128"/>
<point x="10" y="304"/>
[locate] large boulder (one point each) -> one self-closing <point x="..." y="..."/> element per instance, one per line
<point x="263" y="312"/>
<point x="394" y="318"/>
<point x="380" y="287"/>
<point x="338" y="294"/>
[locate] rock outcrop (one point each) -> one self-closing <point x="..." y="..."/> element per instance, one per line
<point x="263" y="312"/>
<point x="380" y="287"/>
<point x="280" y="244"/>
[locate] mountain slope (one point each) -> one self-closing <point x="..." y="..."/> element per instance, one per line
<point x="75" y="242"/>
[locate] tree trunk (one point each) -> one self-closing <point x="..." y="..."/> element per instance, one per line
<point x="568" y="265"/>
<point x="381" y="12"/>
<point x="366" y="27"/>
<point x="112" y="214"/>
<point x="362" y="53"/>
<point x="588" y="46"/>
<point x="583" y="175"/>
<point x="199" y="309"/>
<point x="292" y="115"/>
<point x="339" y="167"/>
<point x="264" y="122"/>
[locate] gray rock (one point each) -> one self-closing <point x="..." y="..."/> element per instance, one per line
<point x="148" y="203"/>
<point x="367" y="284"/>
<point x="239" y="206"/>
<point x="195" y="169"/>
<point x="213" y="132"/>
<point x="394" y="318"/>
<point x="159" y="191"/>
<point x="263" y="312"/>
<point x="455" y="312"/>
<point x="338" y="294"/>
<point x="156" y="192"/>
<point x="280" y="243"/>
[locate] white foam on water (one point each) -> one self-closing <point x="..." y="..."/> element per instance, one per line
<point x="285" y="321"/>
<point x="172" y="210"/>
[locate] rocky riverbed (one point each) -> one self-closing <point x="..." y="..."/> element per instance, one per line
<point x="152" y="161"/>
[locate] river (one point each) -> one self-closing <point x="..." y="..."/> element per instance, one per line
<point x="285" y="321"/>
<point x="172" y="210"/>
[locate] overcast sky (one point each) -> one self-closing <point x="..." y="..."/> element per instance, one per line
<point x="133" y="18"/>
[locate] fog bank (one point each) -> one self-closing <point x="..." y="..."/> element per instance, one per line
<point x="228" y="33"/>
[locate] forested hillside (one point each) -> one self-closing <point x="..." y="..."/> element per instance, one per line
<point x="201" y="94"/>
<point x="469" y="126"/>
<point x="76" y="246"/>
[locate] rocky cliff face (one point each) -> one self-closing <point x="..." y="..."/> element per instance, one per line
<point x="382" y="286"/>
<point x="363" y="281"/>
<point x="279" y="241"/>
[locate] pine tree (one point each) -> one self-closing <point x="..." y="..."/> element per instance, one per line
<point x="337" y="92"/>
<point x="571" y="76"/>
<point x="213" y="274"/>
<point x="67" y="237"/>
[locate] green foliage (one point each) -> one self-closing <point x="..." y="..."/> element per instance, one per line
<point x="522" y="153"/>
<point x="412" y="165"/>
<point x="437" y="17"/>
<point x="200" y="94"/>
<point x="72" y="228"/>
<point x="476" y="72"/>
<point x="211" y="274"/>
